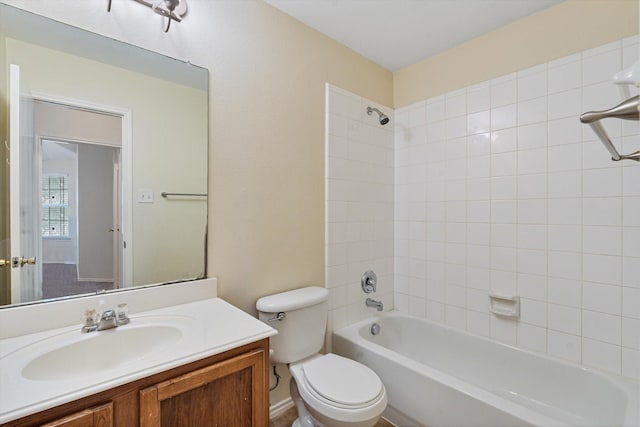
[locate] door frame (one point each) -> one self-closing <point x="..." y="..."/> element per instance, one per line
<point x="125" y="190"/>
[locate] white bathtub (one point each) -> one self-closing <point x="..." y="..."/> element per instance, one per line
<point x="438" y="376"/>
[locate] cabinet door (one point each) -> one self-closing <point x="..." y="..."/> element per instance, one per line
<point x="228" y="393"/>
<point x="100" y="416"/>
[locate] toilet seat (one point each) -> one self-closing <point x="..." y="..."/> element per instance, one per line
<point x="362" y="397"/>
<point x="342" y="382"/>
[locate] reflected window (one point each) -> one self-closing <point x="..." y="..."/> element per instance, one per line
<point x="55" y="205"/>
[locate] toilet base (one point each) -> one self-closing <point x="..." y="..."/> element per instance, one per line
<point x="310" y="423"/>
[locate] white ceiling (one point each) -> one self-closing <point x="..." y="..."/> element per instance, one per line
<point x="398" y="33"/>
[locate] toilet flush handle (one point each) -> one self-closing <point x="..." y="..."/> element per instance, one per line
<point x="279" y="317"/>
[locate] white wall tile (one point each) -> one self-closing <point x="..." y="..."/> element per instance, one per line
<point x="565" y="77"/>
<point x="478" y="145"/>
<point x="602" y="67"/>
<point x="565" y="292"/>
<point x="455" y="105"/>
<point x="504" y="187"/>
<point x="565" y="104"/>
<point x="565" y="131"/>
<point x="631" y="242"/>
<point x="503" y="117"/>
<point x="532" y="286"/>
<point x="504" y="92"/>
<point x="499" y="187"/>
<point x="604" y="240"/>
<point x="602" y="269"/>
<point x="533" y="136"/>
<point x="565" y="184"/>
<point x="504" y="140"/>
<point x="479" y="98"/>
<point x="565" y="211"/>
<point x="631" y="272"/>
<point x="504" y="235"/>
<point x="602" y="298"/>
<point x="532" y="337"/>
<point x="504" y="211"/>
<point x="532" y="211"/>
<point x="602" y="211"/>
<point x="532" y="85"/>
<point x="564" y="346"/>
<point x="631" y="333"/>
<point x="532" y="111"/>
<point x="531" y="236"/>
<point x="565" y="238"/>
<point x="631" y="302"/>
<point x="631" y="363"/>
<point x="566" y="157"/>
<point x="532" y="161"/>
<point x="601" y="355"/>
<point x="564" y="319"/>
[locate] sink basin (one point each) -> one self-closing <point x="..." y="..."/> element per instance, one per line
<point x="73" y="355"/>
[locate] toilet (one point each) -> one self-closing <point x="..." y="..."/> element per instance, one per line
<point x="328" y="390"/>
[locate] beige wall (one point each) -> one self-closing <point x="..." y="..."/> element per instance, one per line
<point x="266" y="128"/>
<point x="569" y="27"/>
<point x="267" y="163"/>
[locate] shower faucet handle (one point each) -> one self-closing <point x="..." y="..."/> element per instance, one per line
<point x="369" y="281"/>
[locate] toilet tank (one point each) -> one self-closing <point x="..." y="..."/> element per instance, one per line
<point x="301" y="330"/>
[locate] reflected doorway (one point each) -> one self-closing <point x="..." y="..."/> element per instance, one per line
<point x="79" y="217"/>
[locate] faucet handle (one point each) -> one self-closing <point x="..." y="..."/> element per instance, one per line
<point x="123" y="314"/>
<point x="90" y="318"/>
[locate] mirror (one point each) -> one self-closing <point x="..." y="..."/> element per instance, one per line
<point x="103" y="183"/>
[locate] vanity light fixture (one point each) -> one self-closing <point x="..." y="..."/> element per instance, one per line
<point x="174" y="10"/>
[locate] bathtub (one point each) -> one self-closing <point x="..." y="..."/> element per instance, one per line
<point x="438" y="376"/>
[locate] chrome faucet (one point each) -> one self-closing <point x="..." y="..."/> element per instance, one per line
<point x="108" y="320"/>
<point x="373" y="303"/>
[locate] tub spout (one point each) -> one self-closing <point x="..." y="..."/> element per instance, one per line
<point x="373" y="303"/>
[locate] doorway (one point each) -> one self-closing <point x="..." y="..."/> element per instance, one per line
<point x="80" y="199"/>
<point x="79" y="214"/>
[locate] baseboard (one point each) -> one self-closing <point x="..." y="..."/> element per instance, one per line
<point x="280" y="408"/>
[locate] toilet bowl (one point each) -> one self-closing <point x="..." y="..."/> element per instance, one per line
<point x="328" y="390"/>
<point x="337" y="392"/>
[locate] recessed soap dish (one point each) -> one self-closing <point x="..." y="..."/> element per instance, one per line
<point x="504" y="306"/>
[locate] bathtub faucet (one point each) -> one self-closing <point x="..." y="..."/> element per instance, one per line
<point x="373" y="303"/>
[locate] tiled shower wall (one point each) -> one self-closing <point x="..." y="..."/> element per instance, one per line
<point x="359" y="205"/>
<point x="500" y="188"/>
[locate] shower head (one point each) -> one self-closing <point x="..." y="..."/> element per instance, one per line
<point x="384" y="119"/>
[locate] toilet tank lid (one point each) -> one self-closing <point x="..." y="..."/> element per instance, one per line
<point x="292" y="300"/>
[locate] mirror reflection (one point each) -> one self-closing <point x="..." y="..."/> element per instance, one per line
<point x="97" y="131"/>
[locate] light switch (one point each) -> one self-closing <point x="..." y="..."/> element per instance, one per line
<point x="145" y="195"/>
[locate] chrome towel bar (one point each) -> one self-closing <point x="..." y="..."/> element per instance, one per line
<point x="165" y="194"/>
<point x="627" y="110"/>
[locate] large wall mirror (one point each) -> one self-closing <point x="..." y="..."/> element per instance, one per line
<point x="103" y="177"/>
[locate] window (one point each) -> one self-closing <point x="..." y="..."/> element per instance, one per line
<point x="55" y="205"/>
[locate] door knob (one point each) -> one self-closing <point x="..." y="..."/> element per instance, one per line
<point x="5" y="262"/>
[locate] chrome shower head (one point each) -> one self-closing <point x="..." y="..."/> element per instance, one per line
<point x="384" y="119"/>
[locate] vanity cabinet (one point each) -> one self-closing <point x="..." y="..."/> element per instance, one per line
<point x="101" y="416"/>
<point x="230" y="389"/>
<point x="224" y="394"/>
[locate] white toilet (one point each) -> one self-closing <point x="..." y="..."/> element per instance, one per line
<point x="328" y="390"/>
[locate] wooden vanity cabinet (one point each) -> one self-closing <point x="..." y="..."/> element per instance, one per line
<point x="230" y="389"/>
<point x="101" y="416"/>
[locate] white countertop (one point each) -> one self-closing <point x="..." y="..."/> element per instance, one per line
<point x="214" y="326"/>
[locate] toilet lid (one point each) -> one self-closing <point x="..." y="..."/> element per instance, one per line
<point x="342" y="380"/>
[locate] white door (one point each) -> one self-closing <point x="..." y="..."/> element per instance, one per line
<point x="26" y="273"/>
